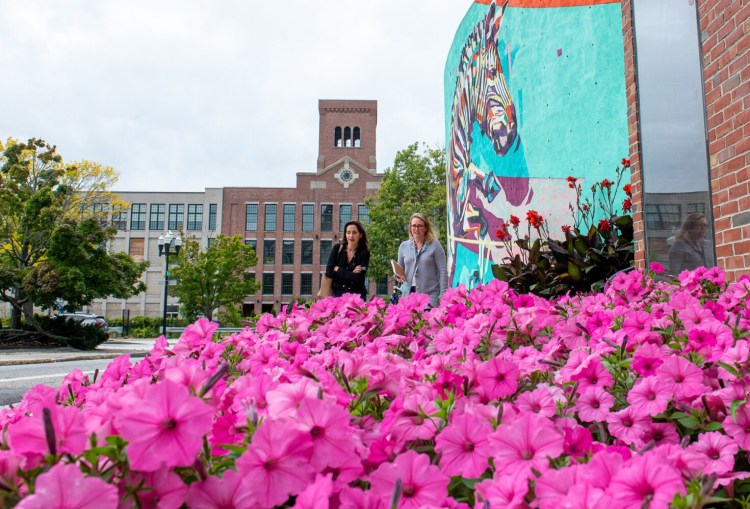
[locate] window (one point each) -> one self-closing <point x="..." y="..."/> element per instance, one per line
<point x="337" y="137"/>
<point x="363" y="214"/>
<point x="176" y="216"/>
<point x="251" y="217"/>
<point x="253" y="243"/>
<point x="248" y="276"/>
<point x="156" y="217"/>
<point x="269" y="252"/>
<point x="270" y="217"/>
<point x="287" y="284"/>
<point x="696" y="208"/>
<point x="119" y="217"/>
<point x="357" y="141"/>
<point x="287" y="252"/>
<point x="195" y="216"/>
<point x="308" y="217"/>
<point x="101" y="212"/>
<point x="306" y="256"/>
<point x="268" y="283"/>
<point x="135" y="249"/>
<point x="325" y="250"/>
<point x="345" y="215"/>
<point x="138" y="216"/>
<point x="326" y="218"/>
<point x="382" y="286"/>
<point x="305" y="284"/>
<point x="347" y="136"/>
<point x="290" y="209"/>
<point x="248" y="310"/>
<point x="212" y="213"/>
<point x="662" y="216"/>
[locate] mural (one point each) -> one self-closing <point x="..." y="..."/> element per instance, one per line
<point x="535" y="92"/>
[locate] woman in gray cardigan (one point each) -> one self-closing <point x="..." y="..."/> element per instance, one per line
<point x="423" y="260"/>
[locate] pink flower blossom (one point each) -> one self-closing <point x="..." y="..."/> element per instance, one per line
<point x="628" y="425"/>
<point x="65" y="487"/>
<point x="681" y="377"/>
<point x="220" y="492"/>
<point x="538" y="401"/>
<point x="317" y="495"/>
<point x="277" y="463"/>
<point x="645" y="479"/>
<point x="507" y="491"/>
<point x="594" y="404"/>
<point x="592" y="373"/>
<point x="527" y="442"/>
<point x="422" y="484"/>
<point x="739" y="428"/>
<point x="167" y="419"/>
<point x="718" y="451"/>
<point x="464" y="447"/>
<point x="649" y="397"/>
<point x="647" y="358"/>
<point x="497" y="378"/>
<point x="28" y="435"/>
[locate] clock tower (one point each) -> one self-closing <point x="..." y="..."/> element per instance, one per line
<point x="347" y="134"/>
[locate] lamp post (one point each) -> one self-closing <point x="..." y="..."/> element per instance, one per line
<point x="168" y="244"/>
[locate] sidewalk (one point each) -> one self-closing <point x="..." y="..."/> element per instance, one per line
<point x="108" y="350"/>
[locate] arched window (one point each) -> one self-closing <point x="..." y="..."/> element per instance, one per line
<point x="357" y="140"/>
<point x="337" y="137"/>
<point x="347" y="136"/>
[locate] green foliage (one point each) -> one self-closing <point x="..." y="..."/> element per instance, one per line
<point x="583" y="260"/>
<point x="415" y="183"/>
<point x="214" y="278"/>
<point x="70" y="332"/>
<point x="52" y="245"/>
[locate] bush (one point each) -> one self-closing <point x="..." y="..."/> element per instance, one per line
<point x="69" y="332"/>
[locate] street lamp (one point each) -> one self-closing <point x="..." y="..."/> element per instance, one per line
<point x="168" y="244"/>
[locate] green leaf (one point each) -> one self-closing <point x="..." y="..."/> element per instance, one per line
<point x="729" y="368"/>
<point x="574" y="271"/>
<point x="714" y="426"/>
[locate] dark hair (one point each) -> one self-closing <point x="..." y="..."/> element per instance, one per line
<point x="362" y="241"/>
<point x="690" y="229"/>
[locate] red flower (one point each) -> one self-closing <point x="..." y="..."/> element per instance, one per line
<point x="535" y="219"/>
<point x="585" y="207"/>
<point x="606" y="183"/>
<point x="604" y="225"/>
<point x="627" y="205"/>
<point x="502" y="233"/>
<point x="628" y="189"/>
<point x="625" y="163"/>
<point x="566" y="228"/>
<point x="514" y="221"/>
<point x="571" y="182"/>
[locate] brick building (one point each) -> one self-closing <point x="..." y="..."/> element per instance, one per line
<point x="719" y="59"/>
<point x="294" y="229"/>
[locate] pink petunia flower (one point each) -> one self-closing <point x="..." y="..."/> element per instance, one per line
<point x="739" y="429"/>
<point x="538" y="401"/>
<point x="645" y="479"/>
<point x="648" y="396"/>
<point x="681" y="377"/>
<point x="593" y="404"/>
<point x="506" y="491"/>
<point x="497" y="378"/>
<point x="464" y="446"/>
<point x="646" y="358"/>
<point x="718" y="450"/>
<point x="422" y="484"/>
<point x="592" y="373"/>
<point x="220" y="492"/>
<point x="167" y="419"/>
<point x="628" y="425"/>
<point x="28" y="435"/>
<point x="65" y="487"/>
<point x="277" y="463"/>
<point x="317" y="495"/>
<point x="528" y="442"/>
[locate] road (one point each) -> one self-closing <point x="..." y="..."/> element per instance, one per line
<point x="16" y="380"/>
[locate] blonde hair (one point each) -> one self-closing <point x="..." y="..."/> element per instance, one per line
<point x="429" y="235"/>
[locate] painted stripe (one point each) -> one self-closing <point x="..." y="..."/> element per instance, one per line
<point x="542" y="4"/>
<point x="41" y="377"/>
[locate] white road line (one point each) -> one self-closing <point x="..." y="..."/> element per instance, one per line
<point x="38" y="377"/>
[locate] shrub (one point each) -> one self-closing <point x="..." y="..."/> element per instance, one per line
<point x="69" y="332"/>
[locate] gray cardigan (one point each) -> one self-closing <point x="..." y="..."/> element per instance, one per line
<point x="432" y="272"/>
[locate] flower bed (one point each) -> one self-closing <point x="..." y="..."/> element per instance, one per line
<point x="635" y="397"/>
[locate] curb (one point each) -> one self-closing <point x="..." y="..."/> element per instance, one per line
<point x="90" y="357"/>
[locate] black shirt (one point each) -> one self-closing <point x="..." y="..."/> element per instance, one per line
<point x="345" y="280"/>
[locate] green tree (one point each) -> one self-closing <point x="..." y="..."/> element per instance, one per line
<point x="214" y="278"/>
<point x="52" y="238"/>
<point x="415" y="183"/>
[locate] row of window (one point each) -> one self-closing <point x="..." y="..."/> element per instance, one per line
<point x="347" y="137"/>
<point x="308" y="216"/>
<point x="305" y="283"/>
<point x="666" y="216"/>
<point x="287" y="251"/>
<point x="158" y="216"/>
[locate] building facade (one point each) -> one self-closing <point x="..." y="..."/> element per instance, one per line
<point x="293" y="230"/>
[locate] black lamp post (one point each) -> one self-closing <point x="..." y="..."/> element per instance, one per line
<point x="168" y="244"/>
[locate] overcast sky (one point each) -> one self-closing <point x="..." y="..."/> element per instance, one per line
<point x="183" y="95"/>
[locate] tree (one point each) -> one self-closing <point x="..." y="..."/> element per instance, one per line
<point x="415" y="183"/>
<point x="52" y="237"/>
<point x="214" y="278"/>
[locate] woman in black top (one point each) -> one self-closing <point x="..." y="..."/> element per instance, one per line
<point x="347" y="264"/>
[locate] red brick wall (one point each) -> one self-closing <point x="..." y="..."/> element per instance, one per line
<point x="725" y="34"/>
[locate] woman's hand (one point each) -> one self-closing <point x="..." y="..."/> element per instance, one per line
<point x="336" y="268"/>
<point x="357" y="269"/>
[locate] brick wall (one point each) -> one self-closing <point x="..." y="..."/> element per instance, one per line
<point x="725" y="36"/>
